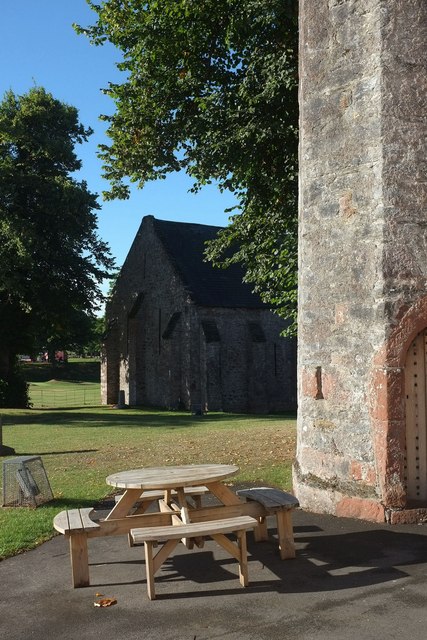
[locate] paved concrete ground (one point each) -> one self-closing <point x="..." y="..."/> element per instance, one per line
<point x="350" y="580"/>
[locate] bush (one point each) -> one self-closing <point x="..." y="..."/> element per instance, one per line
<point x="14" y="391"/>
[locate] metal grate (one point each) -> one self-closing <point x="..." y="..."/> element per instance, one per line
<point x="25" y="483"/>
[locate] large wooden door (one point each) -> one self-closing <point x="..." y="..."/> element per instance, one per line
<point x="416" y="422"/>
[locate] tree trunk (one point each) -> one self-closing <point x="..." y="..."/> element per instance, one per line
<point x="6" y="362"/>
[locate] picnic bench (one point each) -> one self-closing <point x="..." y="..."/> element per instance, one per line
<point x="75" y="525"/>
<point x="281" y="504"/>
<point x="172" y="534"/>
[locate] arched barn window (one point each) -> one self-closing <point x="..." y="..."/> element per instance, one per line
<point x="416" y="420"/>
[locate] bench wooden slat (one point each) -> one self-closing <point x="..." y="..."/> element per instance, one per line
<point x="193" y="529"/>
<point x="75" y="520"/>
<point x="60" y="522"/>
<point x="270" y="498"/>
<point x="87" y="521"/>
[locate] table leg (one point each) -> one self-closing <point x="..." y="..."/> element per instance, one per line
<point x="79" y="560"/>
<point x="223" y="493"/>
<point x="243" y="559"/>
<point x="149" y="569"/>
<point x="285" y="534"/>
<point x="125" y="504"/>
<point x="261" y="532"/>
<point x="153" y="563"/>
<point x="238" y="550"/>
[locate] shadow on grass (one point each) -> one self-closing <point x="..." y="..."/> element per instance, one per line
<point x="70" y="371"/>
<point x="83" y="407"/>
<point x="69" y="503"/>
<point x="133" y="418"/>
<point x="55" y="453"/>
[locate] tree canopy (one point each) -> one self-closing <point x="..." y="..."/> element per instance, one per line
<point x="210" y="87"/>
<point x="51" y="258"/>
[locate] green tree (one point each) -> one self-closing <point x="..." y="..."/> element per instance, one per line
<point x="51" y="258"/>
<point x="211" y="88"/>
<point x="82" y="334"/>
<point x="92" y="346"/>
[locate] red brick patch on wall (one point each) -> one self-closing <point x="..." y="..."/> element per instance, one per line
<point x="361" y="508"/>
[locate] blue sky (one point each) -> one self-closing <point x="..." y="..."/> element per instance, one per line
<point x="38" y="46"/>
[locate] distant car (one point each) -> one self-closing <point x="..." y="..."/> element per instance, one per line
<point x="24" y="359"/>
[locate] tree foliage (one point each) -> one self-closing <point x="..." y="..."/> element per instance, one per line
<point x="51" y="258"/>
<point x="211" y="88"/>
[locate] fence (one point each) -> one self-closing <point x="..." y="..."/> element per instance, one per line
<point x="52" y="398"/>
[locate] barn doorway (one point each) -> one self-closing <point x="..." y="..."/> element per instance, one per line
<point x="415" y="472"/>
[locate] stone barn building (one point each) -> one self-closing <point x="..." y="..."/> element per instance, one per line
<point x="362" y="409"/>
<point x="183" y="334"/>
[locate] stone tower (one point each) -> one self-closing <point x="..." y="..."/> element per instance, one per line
<point x="362" y="433"/>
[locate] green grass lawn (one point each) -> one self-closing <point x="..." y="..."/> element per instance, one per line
<point x="71" y="384"/>
<point x="81" y="446"/>
<point x="63" y="393"/>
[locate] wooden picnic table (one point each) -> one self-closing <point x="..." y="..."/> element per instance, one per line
<point x="168" y="479"/>
<point x="185" y="526"/>
<point x="170" y="487"/>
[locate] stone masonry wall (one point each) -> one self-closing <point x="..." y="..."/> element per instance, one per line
<point x="160" y="353"/>
<point x="150" y="291"/>
<point x="363" y="256"/>
<point x="404" y="171"/>
<point x="251" y="376"/>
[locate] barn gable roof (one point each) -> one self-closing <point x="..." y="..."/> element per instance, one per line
<point x="207" y="285"/>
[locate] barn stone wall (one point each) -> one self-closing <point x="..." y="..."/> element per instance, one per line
<point x="254" y="371"/>
<point x="363" y="250"/>
<point x="148" y="292"/>
<point x="164" y="350"/>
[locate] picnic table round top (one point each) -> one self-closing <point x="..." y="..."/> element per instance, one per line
<point x="171" y="477"/>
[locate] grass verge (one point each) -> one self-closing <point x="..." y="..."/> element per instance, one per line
<point x="80" y="447"/>
<point x="68" y="384"/>
<point x="64" y="394"/>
